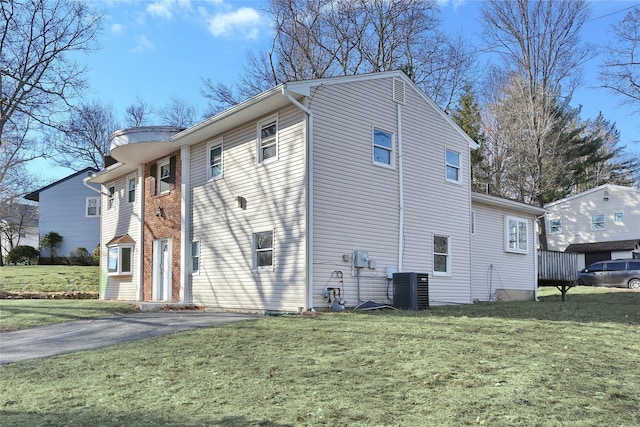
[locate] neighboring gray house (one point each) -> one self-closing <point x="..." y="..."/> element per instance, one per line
<point x="328" y="183"/>
<point x="599" y="224"/>
<point x="72" y="210"/>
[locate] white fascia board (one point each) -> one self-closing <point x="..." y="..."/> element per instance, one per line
<point x="507" y="204"/>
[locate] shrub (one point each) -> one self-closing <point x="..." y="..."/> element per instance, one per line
<point x="51" y="241"/>
<point x="96" y="255"/>
<point x="23" y="255"/>
<point x="80" y="256"/>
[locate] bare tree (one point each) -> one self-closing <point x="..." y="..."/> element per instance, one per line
<point x="324" y="38"/>
<point x="138" y="113"/>
<point x="85" y="135"/>
<point x="37" y="77"/>
<point x="621" y="70"/>
<point x="178" y="113"/>
<point x="540" y="40"/>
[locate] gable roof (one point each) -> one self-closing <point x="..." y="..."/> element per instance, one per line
<point x="616" y="245"/>
<point x="275" y="98"/>
<point x="35" y="195"/>
<point x="592" y="190"/>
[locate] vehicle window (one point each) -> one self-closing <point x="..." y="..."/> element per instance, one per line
<point x="595" y="267"/>
<point x="634" y="265"/>
<point x="616" y="266"/>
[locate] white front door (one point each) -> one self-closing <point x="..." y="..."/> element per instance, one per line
<point x="161" y="270"/>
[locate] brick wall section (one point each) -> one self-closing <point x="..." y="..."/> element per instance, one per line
<point x="163" y="227"/>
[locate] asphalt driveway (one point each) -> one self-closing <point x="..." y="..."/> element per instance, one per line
<point x="61" y="338"/>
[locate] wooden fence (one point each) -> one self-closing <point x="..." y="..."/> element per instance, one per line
<point x="557" y="266"/>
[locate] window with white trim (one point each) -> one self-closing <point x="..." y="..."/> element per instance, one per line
<point x="598" y="222"/>
<point x="383" y="147"/>
<point x="441" y="255"/>
<point x="164" y="176"/>
<point x="618" y="217"/>
<point x="111" y="198"/>
<point x="92" y="207"/>
<point x="131" y="189"/>
<point x="195" y="257"/>
<point x="263" y="250"/>
<point x="120" y="260"/>
<point x="555" y="226"/>
<point x="517" y="234"/>
<point x="452" y="162"/>
<point x="215" y="159"/>
<point x="268" y="140"/>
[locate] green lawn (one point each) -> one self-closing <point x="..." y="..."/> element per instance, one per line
<point x="543" y="363"/>
<point x="49" y="278"/>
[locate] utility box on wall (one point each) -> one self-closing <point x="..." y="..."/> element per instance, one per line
<point x="360" y="259"/>
<point x="411" y="291"/>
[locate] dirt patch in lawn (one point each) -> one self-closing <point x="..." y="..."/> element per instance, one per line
<point x="48" y="295"/>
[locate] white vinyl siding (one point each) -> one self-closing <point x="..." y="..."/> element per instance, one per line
<point x="124" y="219"/>
<point x="356" y="206"/>
<point x="275" y="200"/>
<point x="494" y="269"/>
<point x="577" y="215"/>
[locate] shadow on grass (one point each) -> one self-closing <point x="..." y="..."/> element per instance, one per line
<point x="615" y="306"/>
<point x="128" y="419"/>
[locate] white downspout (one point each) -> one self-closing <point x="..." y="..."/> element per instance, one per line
<point x="185" y="231"/>
<point x="400" y="194"/>
<point x="309" y="177"/>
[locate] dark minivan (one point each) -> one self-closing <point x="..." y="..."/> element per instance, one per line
<point x="618" y="272"/>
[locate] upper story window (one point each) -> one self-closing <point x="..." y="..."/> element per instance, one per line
<point x="618" y="217"/>
<point x="441" y="255"/>
<point x="131" y="189"/>
<point x="92" y="207"/>
<point x="111" y="198"/>
<point x="517" y="234"/>
<point x="597" y="222"/>
<point x="555" y="226"/>
<point x="382" y="147"/>
<point x="452" y="161"/>
<point x="263" y="250"/>
<point x="164" y="173"/>
<point x="267" y="140"/>
<point x="215" y="159"/>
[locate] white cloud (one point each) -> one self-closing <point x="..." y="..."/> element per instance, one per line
<point x="117" y="28"/>
<point x="454" y="3"/>
<point x="143" y="45"/>
<point x="165" y="8"/>
<point x="244" y="21"/>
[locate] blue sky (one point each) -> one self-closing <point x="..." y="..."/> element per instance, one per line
<point x="158" y="49"/>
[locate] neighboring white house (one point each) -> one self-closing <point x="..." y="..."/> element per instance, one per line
<point x="18" y="226"/>
<point x="72" y="210"/>
<point x="599" y="224"/>
<point x="328" y="183"/>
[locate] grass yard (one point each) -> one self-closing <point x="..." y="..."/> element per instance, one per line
<point x="543" y="363"/>
<point x="49" y="278"/>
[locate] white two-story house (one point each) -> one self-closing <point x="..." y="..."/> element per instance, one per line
<point x="599" y="224"/>
<point x="328" y="183"/>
